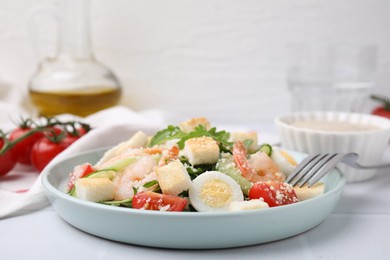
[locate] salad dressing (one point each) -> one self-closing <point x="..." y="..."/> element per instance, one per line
<point x="334" y="126"/>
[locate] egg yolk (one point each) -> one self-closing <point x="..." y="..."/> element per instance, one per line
<point x="288" y="158"/>
<point x="216" y="193"/>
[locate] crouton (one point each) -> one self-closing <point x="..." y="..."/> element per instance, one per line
<point x="190" y="125"/>
<point x="201" y="150"/>
<point x="173" y="178"/>
<point x="306" y="193"/>
<point x="139" y="139"/>
<point x="94" y="189"/>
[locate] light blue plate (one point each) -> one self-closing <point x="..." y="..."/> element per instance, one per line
<point x="191" y="230"/>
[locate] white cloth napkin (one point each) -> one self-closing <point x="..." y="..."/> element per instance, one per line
<point x="111" y="126"/>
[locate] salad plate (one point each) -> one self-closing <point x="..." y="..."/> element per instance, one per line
<point x="186" y="230"/>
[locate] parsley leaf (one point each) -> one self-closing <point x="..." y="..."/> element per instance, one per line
<point x="174" y="132"/>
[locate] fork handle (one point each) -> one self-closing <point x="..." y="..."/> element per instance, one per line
<point x="350" y="159"/>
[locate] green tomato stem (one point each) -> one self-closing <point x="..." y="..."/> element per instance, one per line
<point x="46" y="127"/>
<point x="383" y="100"/>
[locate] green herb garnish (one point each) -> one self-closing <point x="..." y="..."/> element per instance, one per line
<point x="150" y="184"/>
<point x="174" y="132"/>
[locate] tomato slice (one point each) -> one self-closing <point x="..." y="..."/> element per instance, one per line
<point x="149" y="200"/>
<point x="274" y="193"/>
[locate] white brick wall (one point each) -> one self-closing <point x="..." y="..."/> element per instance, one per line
<point x="193" y="57"/>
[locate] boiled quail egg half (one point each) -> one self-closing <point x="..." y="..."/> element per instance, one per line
<point x="214" y="191"/>
<point x="283" y="160"/>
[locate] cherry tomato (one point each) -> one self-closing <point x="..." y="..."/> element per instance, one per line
<point x="80" y="132"/>
<point x="155" y="201"/>
<point x="7" y="160"/>
<point x="384" y="109"/>
<point x="53" y="131"/>
<point x="23" y="148"/>
<point x="44" y="150"/>
<point x="274" y="193"/>
<point x="381" y="111"/>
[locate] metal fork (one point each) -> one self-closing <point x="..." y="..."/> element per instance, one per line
<point x="314" y="167"/>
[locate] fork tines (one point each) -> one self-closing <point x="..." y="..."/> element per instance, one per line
<point x="312" y="169"/>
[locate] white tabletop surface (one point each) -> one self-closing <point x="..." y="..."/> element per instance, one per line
<point x="358" y="228"/>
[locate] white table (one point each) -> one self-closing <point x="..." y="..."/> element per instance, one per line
<point x="359" y="228"/>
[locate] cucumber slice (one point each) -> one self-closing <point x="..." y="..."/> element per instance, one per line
<point x="266" y="148"/>
<point x="227" y="166"/>
<point x="111" y="170"/>
<point x="122" y="164"/>
<point x="102" y="174"/>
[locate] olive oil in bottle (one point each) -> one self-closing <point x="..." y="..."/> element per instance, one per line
<point x="81" y="103"/>
<point x="73" y="81"/>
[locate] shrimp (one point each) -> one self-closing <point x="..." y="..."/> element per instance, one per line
<point x="266" y="167"/>
<point x="260" y="168"/>
<point x="167" y="155"/>
<point x="134" y="176"/>
<point x="142" y="171"/>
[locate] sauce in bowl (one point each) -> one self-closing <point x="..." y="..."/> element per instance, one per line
<point x="333" y="126"/>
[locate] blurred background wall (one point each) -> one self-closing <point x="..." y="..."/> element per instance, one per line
<point x="200" y="57"/>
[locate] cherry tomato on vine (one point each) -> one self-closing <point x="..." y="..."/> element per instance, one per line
<point x="383" y="109"/>
<point x="22" y="149"/>
<point x="53" y="131"/>
<point x="7" y="160"/>
<point x="44" y="150"/>
<point x="75" y="136"/>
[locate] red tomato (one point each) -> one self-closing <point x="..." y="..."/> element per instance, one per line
<point x="80" y="132"/>
<point x="7" y="160"/>
<point x="155" y="201"/>
<point x="381" y="111"/>
<point x="53" y="131"/>
<point x="44" y="150"/>
<point x="384" y="108"/>
<point x="23" y="148"/>
<point x="274" y="193"/>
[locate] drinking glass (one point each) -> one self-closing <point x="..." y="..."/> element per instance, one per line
<point x="331" y="77"/>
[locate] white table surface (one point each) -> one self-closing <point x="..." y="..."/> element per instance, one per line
<point x="358" y="228"/>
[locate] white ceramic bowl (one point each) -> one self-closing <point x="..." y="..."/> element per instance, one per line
<point x="369" y="144"/>
<point x="194" y="230"/>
